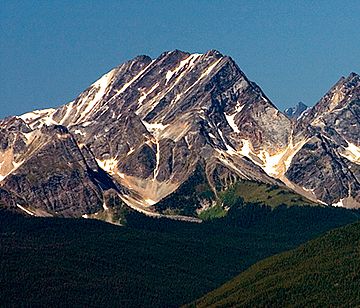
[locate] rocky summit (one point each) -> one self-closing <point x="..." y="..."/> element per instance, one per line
<point x="159" y="135"/>
<point x="297" y="111"/>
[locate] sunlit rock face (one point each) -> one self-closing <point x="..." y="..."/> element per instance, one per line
<point x="149" y="127"/>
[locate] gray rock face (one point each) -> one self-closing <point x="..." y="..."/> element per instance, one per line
<point x="319" y="167"/>
<point x="148" y="128"/>
<point x="57" y="177"/>
<point x="332" y="127"/>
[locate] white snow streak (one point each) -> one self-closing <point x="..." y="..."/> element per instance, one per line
<point x="156" y="170"/>
<point x="204" y="74"/>
<point x="183" y="63"/>
<point x="352" y="153"/>
<point x="101" y="85"/>
<point x="25" y="210"/>
<point x="229" y="148"/>
<point x="231" y="119"/>
<point x="156" y="129"/>
<point x="145" y="94"/>
<point x="69" y="108"/>
<point x="126" y="85"/>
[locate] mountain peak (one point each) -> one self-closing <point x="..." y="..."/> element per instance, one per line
<point x="152" y="123"/>
<point x="343" y="92"/>
<point x="214" y="52"/>
<point x="296" y="111"/>
<point x="351" y="81"/>
<point x="352" y="75"/>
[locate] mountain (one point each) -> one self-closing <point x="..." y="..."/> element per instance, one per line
<point x="322" y="272"/>
<point x="328" y="163"/>
<point x="297" y="111"/>
<point x="169" y="136"/>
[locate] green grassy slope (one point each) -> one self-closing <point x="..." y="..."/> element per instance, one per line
<point x="150" y="262"/>
<point x="323" y="272"/>
<point x="186" y="199"/>
<point x="255" y="192"/>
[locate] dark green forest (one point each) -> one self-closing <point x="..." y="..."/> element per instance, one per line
<point x="148" y="262"/>
<point x="324" y="272"/>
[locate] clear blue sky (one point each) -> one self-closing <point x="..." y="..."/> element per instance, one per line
<point x="50" y="51"/>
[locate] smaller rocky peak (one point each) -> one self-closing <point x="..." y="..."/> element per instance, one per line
<point x="139" y="60"/>
<point x="296" y="111"/>
<point x="175" y="53"/>
<point x="353" y="75"/>
<point x="344" y="91"/>
<point x="214" y="53"/>
<point x="347" y="83"/>
<point x="142" y="58"/>
<point x="170" y="57"/>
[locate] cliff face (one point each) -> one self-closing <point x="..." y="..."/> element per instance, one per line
<point x="328" y="165"/>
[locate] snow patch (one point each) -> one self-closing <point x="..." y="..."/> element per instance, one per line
<point x="245" y="150"/>
<point x="352" y="153"/>
<point x="308" y="189"/>
<point x="109" y="165"/>
<point x="293" y="151"/>
<point x="130" y="151"/>
<point x="155" y="128"/>
<point x="150" y="202"/>
<point x="231" y="120"/>
<point x="36" y="114"/>
<point x="339" y="203"/>
<point x="69" y="108"/>
<point x="271" y="163"/>
<point x="87" y="123"/>
<point x="104" y="206"/>
<point x="79" y="132"/>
